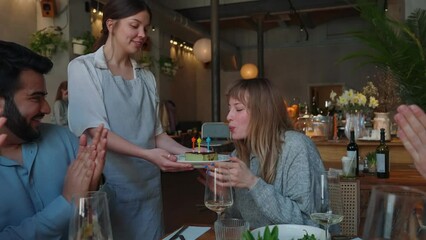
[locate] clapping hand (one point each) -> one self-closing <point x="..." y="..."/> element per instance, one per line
<point x="2" y="136"/>
<point x="85" y="171"/>
<point x="411" y="121"/>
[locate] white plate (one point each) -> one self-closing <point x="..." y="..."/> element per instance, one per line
<point x="292" y="231"/>
<point x="201" y="164"/>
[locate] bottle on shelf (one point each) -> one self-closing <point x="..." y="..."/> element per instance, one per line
<point x="352" y="152"/>
<point x="314" y="106"/>
<point x="382" y="157"/>
<point x="365" y="170"/>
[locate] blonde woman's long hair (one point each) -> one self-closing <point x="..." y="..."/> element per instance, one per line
<point x="268" y="121"/>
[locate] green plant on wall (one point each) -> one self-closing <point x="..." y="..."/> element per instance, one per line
<point x="87" y="40"/>
<point x="398" y="47"/>
<point x="48" y="41"/>
<point x="168" y="66"/>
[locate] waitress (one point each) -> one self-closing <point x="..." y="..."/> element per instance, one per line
<point x="109" y="87"/>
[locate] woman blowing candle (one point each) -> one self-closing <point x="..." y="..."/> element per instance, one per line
<point x="109" y="87"/>
<point x="276" y="171"/>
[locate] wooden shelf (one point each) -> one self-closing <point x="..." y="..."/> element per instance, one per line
<point x="333" y="151"/>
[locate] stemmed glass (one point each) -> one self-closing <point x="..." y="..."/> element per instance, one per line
<point x="90" y="218"/>
<point x="395" y="212"/>
<point x="331" y="210"/>
<point x="217" y="195"/>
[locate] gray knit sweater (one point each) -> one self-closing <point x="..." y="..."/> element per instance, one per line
<point x="292" y="196"/>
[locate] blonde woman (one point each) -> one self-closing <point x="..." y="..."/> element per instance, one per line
<point x="275" y="170"/>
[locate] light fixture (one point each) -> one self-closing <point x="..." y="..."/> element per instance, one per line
<point x="174" y="42"/>
<point x="202" y="50"/>
<point x="248" y="71"/>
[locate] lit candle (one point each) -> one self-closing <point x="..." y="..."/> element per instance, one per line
<point x="193" y="143"/>
<point x="199" y="144"/>
<point x="208" y="140"/>
<point x="322" y="188"/>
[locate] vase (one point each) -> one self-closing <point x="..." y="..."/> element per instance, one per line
<point x="381" y="120"/>
<point x="78" y="46"/>
<point x="355" y="121"/>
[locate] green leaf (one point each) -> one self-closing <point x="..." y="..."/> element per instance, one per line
<point x="274" y="235"/>
<point x="399" y="46"/>
<point x="247" y="235"/>
<point x="267" y="233"/>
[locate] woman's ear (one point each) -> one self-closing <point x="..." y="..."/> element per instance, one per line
<point x="110" y="25"/>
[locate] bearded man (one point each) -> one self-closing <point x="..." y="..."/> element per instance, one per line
<point x="38" y="173"/>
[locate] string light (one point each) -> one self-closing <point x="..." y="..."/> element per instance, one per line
<point x="95" y="8"/>
<point x="181" y="44"/>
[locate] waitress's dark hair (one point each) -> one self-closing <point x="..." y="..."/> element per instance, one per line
<point x="118" y="9"/>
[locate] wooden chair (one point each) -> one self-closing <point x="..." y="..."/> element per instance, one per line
<point x="351" y="207"/>
<point x="217" y="131"/>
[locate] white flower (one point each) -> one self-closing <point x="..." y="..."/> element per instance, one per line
<point x="332" y="95"/>
<point x="362" y="99"/>
<point x="373" y="102"/>
<point x="351" y="100"/>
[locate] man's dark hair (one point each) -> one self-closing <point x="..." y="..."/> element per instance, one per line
<point x="14" y="59"/>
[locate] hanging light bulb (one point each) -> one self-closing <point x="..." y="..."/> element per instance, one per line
<point x="248" y="71"/>
<point x="202" y="50"/>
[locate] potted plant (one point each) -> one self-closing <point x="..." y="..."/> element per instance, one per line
<point x="398" y="47"/>
<point x="47" y="41"/>
<point x="83" y="44"/>
<point x="371" y="160"/>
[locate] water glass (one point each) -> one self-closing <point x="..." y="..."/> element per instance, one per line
<point x="90" y="218"/>
<point x="348" y="167"/>
<point x="395" y="212"/>
<point x="230" y="228"/>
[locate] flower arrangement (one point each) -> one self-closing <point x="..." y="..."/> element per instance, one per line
<point x="352" y="101"/>
<point x="384" y="91"/>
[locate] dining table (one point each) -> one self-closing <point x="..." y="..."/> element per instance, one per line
<point x="210" y="235"/>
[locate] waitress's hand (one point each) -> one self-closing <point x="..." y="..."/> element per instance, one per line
<point x="237" y="173"/>
<point x="167" y="161"/>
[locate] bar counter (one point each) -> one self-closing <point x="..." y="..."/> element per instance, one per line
<point x="332" y="151"/>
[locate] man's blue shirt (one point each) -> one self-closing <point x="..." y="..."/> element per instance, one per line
<point x="31" y="201"/>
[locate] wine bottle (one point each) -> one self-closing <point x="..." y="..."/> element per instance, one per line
<point x="314" y="107"/>
<point x="382" y="157"/>
<point x="352" y="152"/>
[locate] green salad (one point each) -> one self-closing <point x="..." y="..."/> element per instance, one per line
<point x="273" y="235"/>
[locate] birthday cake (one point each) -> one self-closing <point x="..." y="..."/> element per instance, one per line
<point x="201" y="156"/>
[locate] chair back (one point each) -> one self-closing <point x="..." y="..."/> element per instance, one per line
<point x="217" y="131"/>
<point x="351" y="203"/>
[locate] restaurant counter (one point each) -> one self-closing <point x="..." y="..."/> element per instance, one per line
<point x="333" y="151"/>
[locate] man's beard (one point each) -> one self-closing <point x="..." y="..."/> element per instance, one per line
<point x="17" y="124"/>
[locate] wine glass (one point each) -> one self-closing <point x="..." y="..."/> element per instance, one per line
<point x="90" y="217"/>
<point x="331" y="208"/>
<point x="395" y="212"/>
<point x="217" y="195"/>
